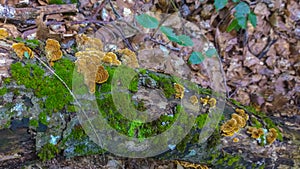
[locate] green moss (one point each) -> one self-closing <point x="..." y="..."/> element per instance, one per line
<point x="256" y="123"/>
<point x="133" y="85"/>
<point x="43" y="118"/>
<point x="77" y="133"/>
<point x="74" y="1"/>
<point x="56" y="2"/>
<point x="32" y="76"/>
<point x="167" y="86"/>
<point x="153" y="76"/>
<point x="6" y="80"/>
<point x="143" y="71"/>
<point x="140" y="106"/>
<point x="47" y="152"/>
<point x="200" y="120"/>
<point x="34" y="123"/>
<point x="3" y="91"/>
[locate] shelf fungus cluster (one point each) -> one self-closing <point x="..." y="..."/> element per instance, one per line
<point x="194" y="100"/>
<point x="3" y="33"/>
<point x="128" y="58"/>
<point x="179" y="91"/>
<point x="84" y="42"/>
<point x="53" y="52"/>
<point x="207" y="100"/>
<point x="234" y="124"/>
<point x="21" y="50"/>
<point x="271" y="135"/>
<point x="255" y="132"/>
<point x="261" y="134"/>
<point x="111" y="58"/>
<point x="91" y="57"/>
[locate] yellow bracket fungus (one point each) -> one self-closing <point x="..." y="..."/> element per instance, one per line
<point x="235" y="140"/>
<point x="230" y="127"/>
<point x="102" y="75"/>
<point x="234" y="124"/>
<point x="20" y="49"/>
<point x="53" y="52"/>
<point x="84" y="42"/>
<point x="239" y="119"/>
<point x="128" y="58"/>
<point x="3" y="33"/>
<point x="242" y="113"/>
<point x="211" y="101"/>
<point x="271" y="135"/>
<point x="194" y="100"/>
<point x="204" y="101"/>
<point x="255" y="132"/>
<point x="111" y="58"/>
<point x="179" y="91"/>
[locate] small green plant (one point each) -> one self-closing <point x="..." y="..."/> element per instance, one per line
<point x="48" y="151"/>
<point x="242" y="14"/>
<point x="150" y="22"/>
<point x="31" y="43"/>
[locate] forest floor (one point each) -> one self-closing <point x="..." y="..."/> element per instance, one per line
<point x="261" y="64"/>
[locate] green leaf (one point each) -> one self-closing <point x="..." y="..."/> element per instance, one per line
<point x="242" y="22"/>
<point x="169" y="33"/>
<point x="185" y="40"/>
<point x="219" y="4"/>
<point x="241" y="9"/>
<point x="233" y="25"/>
<point x="211" y="52"/>
<point x="235" y="1"/>
<point x="252" y="19"/>
<point x="26" y="54"/>
<point x="196" y="58"/>
<point x="147" y="21"/>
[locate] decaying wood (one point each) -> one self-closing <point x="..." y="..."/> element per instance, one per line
<point x="23" y="14"/>
<point x="16" y="148"/>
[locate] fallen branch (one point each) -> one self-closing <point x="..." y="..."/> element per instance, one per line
<point x="23" y="14"/>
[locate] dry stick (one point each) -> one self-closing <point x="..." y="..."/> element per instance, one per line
<point x="23" y="14"/>
<point x="101" y="6"/>
<point x="114" y="10"/>
<point x="72" y="94"/>
<point x="219" y="58"/>
<point x="163" y="44"/>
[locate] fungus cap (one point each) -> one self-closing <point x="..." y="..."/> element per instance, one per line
<point x="53" y="52"/>
<point x="20" y="49"/>
<point x="111" y="58"/>
<point x="271" y="135"/>
<point x="3" y="33"/>
<point x="129" y="58"/>
<point x="179" y="89"/>
<point x="242" y="113"/>
<point x="241" y="122"/>
<point x="235" y="140"/>
<point x="102" y="75"/>
<point x="212" y="102"/>
<point x="204" y="101"/>
<point x="194" y="100"/>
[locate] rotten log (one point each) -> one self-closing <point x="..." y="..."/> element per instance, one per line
<point x="23" y="14"/>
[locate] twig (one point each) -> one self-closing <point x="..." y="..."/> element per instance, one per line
<point x="124" y="38"/>
<point x="77" y="22"/>
<point x="23" y="14"/>
<point x="163" y="44"/>
<point x="114" y="10"/>
<point x="72" y="94"/>
<point x="101" y="6"/>
<point x="265" y="49"/>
